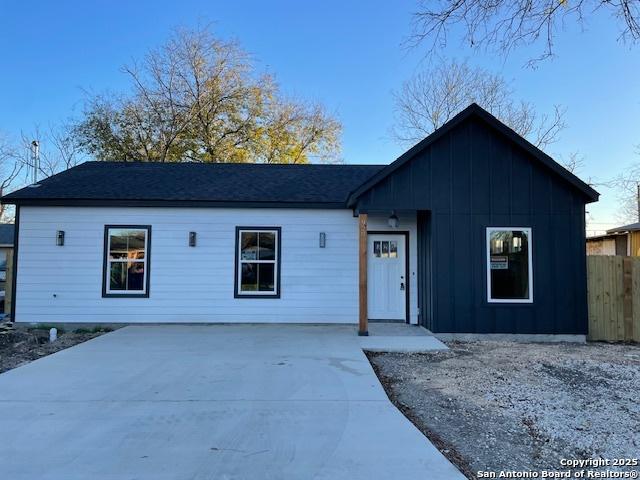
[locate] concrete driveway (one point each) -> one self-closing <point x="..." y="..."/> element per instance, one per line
<point x="209" y="402"/>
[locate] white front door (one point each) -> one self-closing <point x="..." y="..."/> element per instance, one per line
<point x="386" y="277"/>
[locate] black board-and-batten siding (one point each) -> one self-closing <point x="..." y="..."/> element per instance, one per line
<point x="470" y="178"/>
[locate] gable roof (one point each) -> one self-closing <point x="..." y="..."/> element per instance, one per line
<point x="474" y="110"/>
<point x="192" y="184"/>
<point x="6" y="233"/>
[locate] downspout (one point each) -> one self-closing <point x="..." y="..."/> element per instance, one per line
<point x="16" y="229"/>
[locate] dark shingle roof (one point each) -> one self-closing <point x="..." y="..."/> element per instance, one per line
<point x="6" y="233"/>
<point x="183" y="183"/>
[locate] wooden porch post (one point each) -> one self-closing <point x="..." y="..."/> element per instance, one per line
<point x="363" y="321"/>
<point x="627" y="298"/>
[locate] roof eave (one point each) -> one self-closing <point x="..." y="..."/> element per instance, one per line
<point x="604" y="236"/>
<point x="622" y="230"/>
<point x="80" y="202"/>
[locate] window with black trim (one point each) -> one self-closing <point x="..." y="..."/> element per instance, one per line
<point x="509" y="265"/>
<point x="257" y="262"/>
<point x="126" y="263"/>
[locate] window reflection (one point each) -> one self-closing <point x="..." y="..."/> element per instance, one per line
<point x="509" y="264"/>
<point x="126" y="262"/>
<point x="257" y="262"/>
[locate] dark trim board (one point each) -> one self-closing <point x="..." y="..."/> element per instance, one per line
<point x="14" y="282"/>
<point x="105" y="254"/>
<point x="236" y="261"/>
<point x="407" y="270"/>
<point x="80" y="202"/>
<point x="425" y="267"/>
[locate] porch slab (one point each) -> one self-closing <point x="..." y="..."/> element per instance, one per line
<point x="396" y="329"/>
<point x="402" y="344"/>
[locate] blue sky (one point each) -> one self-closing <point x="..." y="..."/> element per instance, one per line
<point x="347" y="55"/>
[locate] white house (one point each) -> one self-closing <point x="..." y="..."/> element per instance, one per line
<point x="458" y="234"/>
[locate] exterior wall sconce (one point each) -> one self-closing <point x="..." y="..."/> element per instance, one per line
<point x="60" y="238"/>
<point x="323" y="239"/>
<point x="393" y="221"/>
<point x="192" y="239"/>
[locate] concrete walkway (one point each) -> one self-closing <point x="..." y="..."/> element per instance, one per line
<point x="209" y="402"/>
<point x="400" y="338"/>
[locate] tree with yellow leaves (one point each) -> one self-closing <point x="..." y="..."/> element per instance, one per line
<point x="198" y="98"/>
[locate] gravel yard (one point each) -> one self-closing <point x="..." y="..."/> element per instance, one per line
<point x="505" y="406"/>
<point x="23" y="345"/>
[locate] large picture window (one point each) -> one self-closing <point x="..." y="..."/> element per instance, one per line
<point x="509" y="268"/>
<point x="126" y="264"/>
<point x="257" y="262"/>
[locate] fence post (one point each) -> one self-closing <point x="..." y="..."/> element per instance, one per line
<point x="627" y="305"/>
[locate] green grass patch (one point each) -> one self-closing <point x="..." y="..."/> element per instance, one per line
<point x="96" y="329"/>
<point x="47" y="327"/>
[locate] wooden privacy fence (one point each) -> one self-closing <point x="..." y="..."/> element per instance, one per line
<point x="613" y="285"/>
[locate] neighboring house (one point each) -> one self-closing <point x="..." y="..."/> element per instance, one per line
<point x="608" y="244"/>
<point x="473" y="230"/>
<point x="6" y="257"/>
<point x="624" y="241"/>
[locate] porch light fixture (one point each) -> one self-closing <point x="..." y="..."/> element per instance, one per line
<point x="323" y="239"/>
<point x="393" y="220"/>
<point x="192" y="239"/>
<point x="60" y="238"/>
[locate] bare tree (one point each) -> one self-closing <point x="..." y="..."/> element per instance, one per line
<point x="429" y="99"/>
<point x="573" y="163"/>
<point x="626" y="186"/>
<point x="198" y="98"/>
<point x="59" y="150"/>
<point x="503" y="25"/>
<point x="10" y="168"/>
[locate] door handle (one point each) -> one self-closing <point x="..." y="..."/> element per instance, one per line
<point x="401" y="285"/>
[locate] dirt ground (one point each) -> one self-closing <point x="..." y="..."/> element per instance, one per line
<point x="504" y="406"/>
<point x="23" y="346"/>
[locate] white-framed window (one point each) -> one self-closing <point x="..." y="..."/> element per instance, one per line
<point x="126" y="263"/>
<point x="257" y="262"/>
<point x="509" y="265"/>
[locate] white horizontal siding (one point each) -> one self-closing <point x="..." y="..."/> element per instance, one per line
<point x="187" y="284"/>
